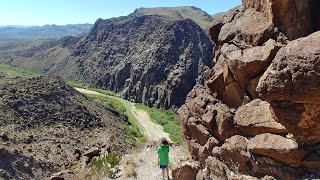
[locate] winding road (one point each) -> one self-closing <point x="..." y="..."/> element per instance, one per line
<point x="151" y="130"/>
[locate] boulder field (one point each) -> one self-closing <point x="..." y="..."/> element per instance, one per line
<point x="257" y="115"/>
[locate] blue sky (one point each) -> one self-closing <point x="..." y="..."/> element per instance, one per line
<point x="60" y="12"/>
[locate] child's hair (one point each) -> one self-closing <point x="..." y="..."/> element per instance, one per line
<point x="164" y="141"/>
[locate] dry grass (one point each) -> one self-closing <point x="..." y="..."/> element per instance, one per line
<point x="88" y="174"/>
<point x="130" y="170"/>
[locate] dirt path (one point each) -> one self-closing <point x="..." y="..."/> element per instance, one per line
<point x="86" y="91"/>
<point x="145" y="164"/>
<point x="151" y="130"/>
<point x="143" y="161"/>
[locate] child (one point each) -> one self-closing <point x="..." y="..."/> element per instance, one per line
<point x="163" y="156"/>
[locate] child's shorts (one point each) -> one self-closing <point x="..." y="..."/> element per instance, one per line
<point x="163" y="166"/>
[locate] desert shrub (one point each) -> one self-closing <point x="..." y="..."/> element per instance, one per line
<point x="130" y="171"/>
<point x="105" y="163"/>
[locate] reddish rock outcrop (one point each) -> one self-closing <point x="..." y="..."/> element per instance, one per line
<point x="217" y="168"/>
<point x="235" y="69"/>
<point x="256" y="118"/>
<point x="252" y="62"/>
<point x="226" y="18"/>
<point x="235" y="154"/>
<point x="293" y="17"/>
<point x="250" y="29"/>
<point x="258" y="112"/>
<point x="216" y="124"/>
<point x="291" y="85"/>
<point x="280" y="148"/>
<point x="186" y="170"/>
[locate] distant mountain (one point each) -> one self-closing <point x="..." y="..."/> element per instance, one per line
<point x="183" y="12"/>
<point x="46" y="31"/>
<point x="151" y="59"/>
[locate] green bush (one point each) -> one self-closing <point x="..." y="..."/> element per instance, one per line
<point x="105" y="163"/>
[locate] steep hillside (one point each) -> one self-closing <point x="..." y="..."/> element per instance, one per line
<point x="257" y="116"/>
<point x="203" y="19"/>
<point x="50" y="124"/>
<point x="151" y="59"/>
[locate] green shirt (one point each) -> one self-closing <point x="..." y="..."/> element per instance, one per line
<point x="163" y="151"/>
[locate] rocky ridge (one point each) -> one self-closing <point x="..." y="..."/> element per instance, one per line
<point x="150" y="59"/>
<point x="257" y="116"/>
<point x="203" y="19"/>
<point x="47" y="126"/>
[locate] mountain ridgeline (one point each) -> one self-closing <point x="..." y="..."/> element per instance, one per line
<point x="46" y="31"/>
<point x="203" y="19"/>
<point x="151" y="59"/>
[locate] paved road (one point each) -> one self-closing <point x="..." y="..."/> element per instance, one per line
<point x="151" y="130"/>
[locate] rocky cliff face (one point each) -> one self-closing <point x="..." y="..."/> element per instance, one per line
<point x="46" y="126"/>
<point x="295" y="18"/>
<point x="150" y="59"/>
<point x="257" y="115"/>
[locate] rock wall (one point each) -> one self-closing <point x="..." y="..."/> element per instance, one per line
<point x="295" y="18"/>
<point x="257" y="115"/>
<point x="150" y="59"/>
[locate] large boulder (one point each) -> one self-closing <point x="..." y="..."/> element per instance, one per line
<point x="186" y="170"/>
<point x="198" y="131"/>
<point x="203" y="116"/>
<point x="222" y="82"/>
<point x="291" y="85"/>
<point x="270" y="166"/>
<point x="235" y="154"/>
<point x="294" y="72"/>
<point x="235" y="69"/>
<point x="252" y="62"/>
<point x="194" y="149"/>
<point x="280" y="148"/>
<point x="197" y="101"/>
<point x="293" y="17"/>
<point x="205" y="151"/>
<point x="250" y="29"/>
<point x="195" y="107"/>
<point x="217" y="168"/>
<point x="219" y="21"/>
<point x="224" y="126"/>
<point x="256" y="118"/>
